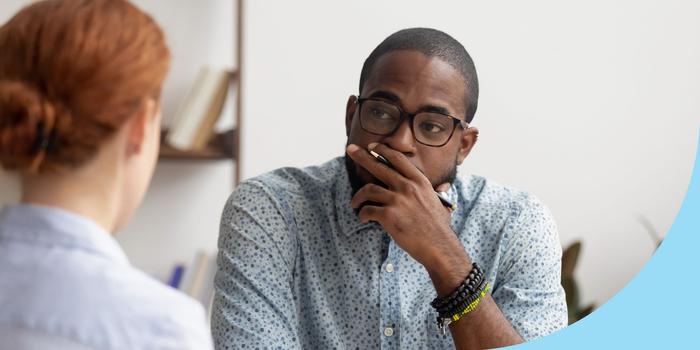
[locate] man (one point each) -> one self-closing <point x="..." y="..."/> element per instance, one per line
<point x="350" y="254"/>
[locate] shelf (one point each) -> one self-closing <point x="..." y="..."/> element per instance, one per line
<point x="220" y="147"/>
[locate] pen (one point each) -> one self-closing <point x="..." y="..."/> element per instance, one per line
<point x="442" y="196"/>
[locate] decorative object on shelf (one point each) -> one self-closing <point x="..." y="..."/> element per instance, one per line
<point x="569" y="259"/>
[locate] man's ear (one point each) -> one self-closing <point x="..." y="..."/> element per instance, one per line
<point x="467" y="141"/>
<point x="139" y="124"/>
<point x="350" y="113"/>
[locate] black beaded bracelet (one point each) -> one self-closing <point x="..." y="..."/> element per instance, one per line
<point x="445" y="319"/>
<point x="465" y="291"/>
<point x="448" y="312"/>
<point x="467" y="287"/>
<point x="464" y="299"/>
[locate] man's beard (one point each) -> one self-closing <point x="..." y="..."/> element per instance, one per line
<point x="356" y="182"/>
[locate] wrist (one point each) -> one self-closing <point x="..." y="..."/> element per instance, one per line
<point x="448" y="267"/>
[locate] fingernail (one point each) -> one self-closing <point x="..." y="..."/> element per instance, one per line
<point x="352" y="148"/>
<point x="372" y="145"/>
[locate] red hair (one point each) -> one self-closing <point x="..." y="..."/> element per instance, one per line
<point x="71" y="73"/>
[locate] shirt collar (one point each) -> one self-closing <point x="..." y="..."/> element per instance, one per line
<point x="52" y="226"/>
<point x="349" y="222"/>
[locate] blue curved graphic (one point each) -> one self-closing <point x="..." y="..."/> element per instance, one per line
<point x="660" y="307"/>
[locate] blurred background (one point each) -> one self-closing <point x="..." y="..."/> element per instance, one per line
<point x="592" y="106"/>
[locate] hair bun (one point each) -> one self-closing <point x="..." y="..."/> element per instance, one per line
<point x="23" y="113"/>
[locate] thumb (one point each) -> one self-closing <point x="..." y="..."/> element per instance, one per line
<point x="443" y="187"/>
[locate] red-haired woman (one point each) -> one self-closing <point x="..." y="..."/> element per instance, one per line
<point x="80" y="123"/>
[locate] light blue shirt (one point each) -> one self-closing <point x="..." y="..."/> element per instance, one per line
<point x="297" y="269"/>
<point x="66" y="284"/>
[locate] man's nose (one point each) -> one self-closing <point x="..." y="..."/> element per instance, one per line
<point x="402" y="139"/>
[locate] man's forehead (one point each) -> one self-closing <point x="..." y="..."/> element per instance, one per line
<point x="418" y="80"/>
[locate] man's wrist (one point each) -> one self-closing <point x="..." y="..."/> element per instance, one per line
<point x="447" y="268"/>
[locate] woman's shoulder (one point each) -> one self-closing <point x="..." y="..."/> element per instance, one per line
<point x="102" y="305"/>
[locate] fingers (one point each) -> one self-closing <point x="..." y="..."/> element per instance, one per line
<point x="371" y="193"/>
<point x="371" y="213"/>
<point x="399" y="161"/>
<point x="382" y="172"/>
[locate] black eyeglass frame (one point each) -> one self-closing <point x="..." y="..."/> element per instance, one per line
<point x="403" y="115"/>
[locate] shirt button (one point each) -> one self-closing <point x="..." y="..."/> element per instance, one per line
<point x="389" y="267"/>
<point x="388" y="331"/>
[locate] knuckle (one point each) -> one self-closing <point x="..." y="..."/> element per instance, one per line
<point x="371" y="188"/>
<point x="362" y="215"/>
<point x="411" y="189"/>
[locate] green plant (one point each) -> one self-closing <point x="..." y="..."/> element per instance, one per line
<point x="569" y="260"/>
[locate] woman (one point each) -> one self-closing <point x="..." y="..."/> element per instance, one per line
<point x="80" y="123"/>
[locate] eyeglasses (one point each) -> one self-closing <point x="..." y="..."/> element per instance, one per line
<point x="380" y="117"/>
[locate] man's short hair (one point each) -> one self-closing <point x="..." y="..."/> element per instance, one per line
<point x="432" y="43"/>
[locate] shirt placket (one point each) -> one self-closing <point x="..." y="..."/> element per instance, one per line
<point x="389" y="298"/>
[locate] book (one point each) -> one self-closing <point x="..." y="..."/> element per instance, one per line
<point x="193" y="279"/>
<point x="176" y="276"/>
<point x="199" y="281"/>
<point x="194" y="121"/>
<point x="206" y="292"/>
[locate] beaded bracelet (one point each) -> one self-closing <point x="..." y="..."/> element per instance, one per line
<point x="463" y="300"/>
<point x="449" y="310"/>
<point x="472" y="306"/>
<point x="467" y="288"/>
<point x="444" y="322"/>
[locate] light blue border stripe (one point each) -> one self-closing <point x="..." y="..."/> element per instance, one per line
<point x="660" y="307"/>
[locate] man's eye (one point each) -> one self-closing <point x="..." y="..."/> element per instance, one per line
<point x="432" y="128"/>
<point x="380" y="114"/>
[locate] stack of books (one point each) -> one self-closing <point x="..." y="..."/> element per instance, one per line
<point x="197" y="278"/>
<point x="193" y="125"/>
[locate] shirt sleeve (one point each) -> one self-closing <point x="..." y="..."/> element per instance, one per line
<point x="254" y="306"/>
<point x="528" y="287"/>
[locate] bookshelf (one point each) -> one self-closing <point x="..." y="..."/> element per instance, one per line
<point x="224" y="146"/>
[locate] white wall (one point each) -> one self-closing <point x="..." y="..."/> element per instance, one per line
<point x="592" y="106"/>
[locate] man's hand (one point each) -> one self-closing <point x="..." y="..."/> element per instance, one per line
<point x="418" y="222"/>
<point x="412" y="214"/>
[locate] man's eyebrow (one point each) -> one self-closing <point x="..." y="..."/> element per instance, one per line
<point x="386" y="95"/>
<point x="389" y="96"/>
<point x="435" y="109"/>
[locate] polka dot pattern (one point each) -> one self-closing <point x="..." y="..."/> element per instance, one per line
<point x="298" y="270"/>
